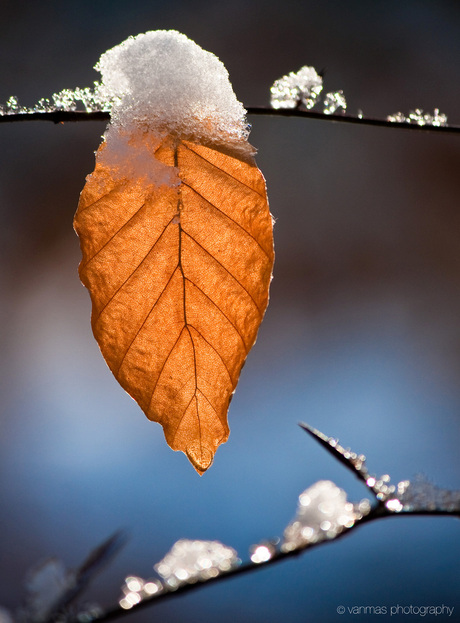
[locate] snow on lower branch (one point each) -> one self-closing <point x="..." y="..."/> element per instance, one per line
<point x="323" y="512"/>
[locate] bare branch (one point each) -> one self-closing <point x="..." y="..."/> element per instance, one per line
<point x="64" y="116"/>
<point x="341" y="118"/>
<point x="56" y="116"/>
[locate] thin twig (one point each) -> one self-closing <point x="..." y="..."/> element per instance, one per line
<point x="64" y="116"/>
<point x="90" y="567"/>
<point x="351" y="460"/>
<point x="341" y="118"/>
<point x="57" y="116"/>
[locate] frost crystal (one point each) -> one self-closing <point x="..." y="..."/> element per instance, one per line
<point x="191" y="561"/>
<point x="12" y="104"/>
<point x="397" y="117"/>
<point x="333" y="101"/>
<point x="293" y="89"/>
<point x="421" y="495"/>
<point x="419" y="117"/>
<point x="263" y="552"/>
<point x="92" y="100"/>
<point x="12" y="107"/>
<point x="381" y="486"/>
<point x="136" y="590"/>
<point x="43" y="105"/>
<point x="66" y="100"/>
<point x="323" y="512"/>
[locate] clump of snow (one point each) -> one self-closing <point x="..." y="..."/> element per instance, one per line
<point x="162" y="83"/>
<point x="162" y="80"/>
<point x="189" y="561"/>
<point x="301" y="87"/>
<point x="323" y="512"/>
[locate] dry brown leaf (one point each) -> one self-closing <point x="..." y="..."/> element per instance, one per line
<point x="178" y="277"/>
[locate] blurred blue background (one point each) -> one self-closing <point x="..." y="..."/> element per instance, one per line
<point x="361" y="338"/>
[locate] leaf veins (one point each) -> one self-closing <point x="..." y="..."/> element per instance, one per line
<point x="178" y="277"/>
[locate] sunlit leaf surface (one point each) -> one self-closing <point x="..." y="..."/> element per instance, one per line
<point x="178" y="275"/>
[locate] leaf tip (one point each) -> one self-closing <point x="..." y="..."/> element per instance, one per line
<point x="200" y="456"/>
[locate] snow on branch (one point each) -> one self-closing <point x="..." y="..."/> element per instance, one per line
<point x="293" y="95"/>
<point x="323" y="515"/>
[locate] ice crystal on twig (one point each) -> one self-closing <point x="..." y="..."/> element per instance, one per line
<point x="192" y="561"/>
<point x="67" y="100"/>
<point x="302" y="87"/>
<point x="136" y="589"/>
<point x="380" y="487"/>
<point x="333" y="101"/>
<point x="418" y="117"/>
<point x="418" y="495"/>
<point x="12" y="107"/>
<point x="421" y="495"/>
<point x="362" y="509"/>
<point x="263" y="552"/>
<point x="353" y="461"/>
<point x="397" y="117"/>
<point x="91" y="99"/>
<point x="323" y="512"/>
<point x="43" y="105"/>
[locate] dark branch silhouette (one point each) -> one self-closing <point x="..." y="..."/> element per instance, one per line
<point x="64" y="116"/>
